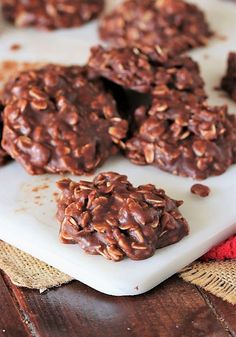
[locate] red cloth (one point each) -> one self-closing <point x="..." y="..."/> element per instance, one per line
<point x="225" y="250"/>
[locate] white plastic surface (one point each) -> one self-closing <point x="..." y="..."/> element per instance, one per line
<point x="27" y="212"/>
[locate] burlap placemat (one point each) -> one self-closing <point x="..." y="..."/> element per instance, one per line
<point x="219" y="278"/>
<point x="26" y="271"/>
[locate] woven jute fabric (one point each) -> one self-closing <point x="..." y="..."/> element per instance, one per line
<point x="26" y="271"/>
<point x="217" y="277"/>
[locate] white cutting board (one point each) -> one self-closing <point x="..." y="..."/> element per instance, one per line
<point x="27" y="218"/>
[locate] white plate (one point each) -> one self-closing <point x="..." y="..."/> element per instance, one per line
<point x="29" y="222"/>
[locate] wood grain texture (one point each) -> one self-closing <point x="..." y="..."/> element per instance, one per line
<point x="224" y="311"/>
<point x="11" y="324"/>
<point x="173" y="309"/>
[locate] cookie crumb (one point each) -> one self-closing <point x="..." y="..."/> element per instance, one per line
<point x="221" y="37"/>
<point x="40" y="188"/>
<point x="200" y="190"/>
<point x="15" y="47"/>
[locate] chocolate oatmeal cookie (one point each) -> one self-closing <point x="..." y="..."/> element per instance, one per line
<point x="57" y="121"/>
<point x="143" y="81"/>
<point x="184" y="137"/>
<point x="51" y="14"/>
<point x="127" y="67"/>
<point x="111" y="217"/>
<point x="228" y="82"/>
<point x="132" y="70"/>
<point x="166" y="27"/>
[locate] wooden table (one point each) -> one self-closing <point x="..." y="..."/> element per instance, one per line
<point x="175" y="308"/>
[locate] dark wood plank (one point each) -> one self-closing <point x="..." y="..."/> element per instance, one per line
<point x="225" y="312"/>
<point x="173" y="309"/>
<point x="11" y="324"/>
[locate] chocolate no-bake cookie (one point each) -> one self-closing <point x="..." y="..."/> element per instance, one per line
<point x="56" y="121"/>
<point x="7" y="70"/>
<point x="111" y="217"/>
<point x="127" y="67"/>
<point x="228" y="82"/>
<point x="51" y="14"/>
<point x="141" y="79"/>
<point x="184" y="137"/>
<point x="166" y="27"/>
<point x="131" y="69"/>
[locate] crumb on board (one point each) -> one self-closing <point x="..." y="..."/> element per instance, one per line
<point x="221" y="37"/>
<point x="40" y="188"/>
<point x="15" y="47"/>
<point x="19" y="210"/>
<point x="200" y="190"/>
<point x="46" y="178"/>
<point x="56" y="196"/>
<point x="38" y="203"/>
